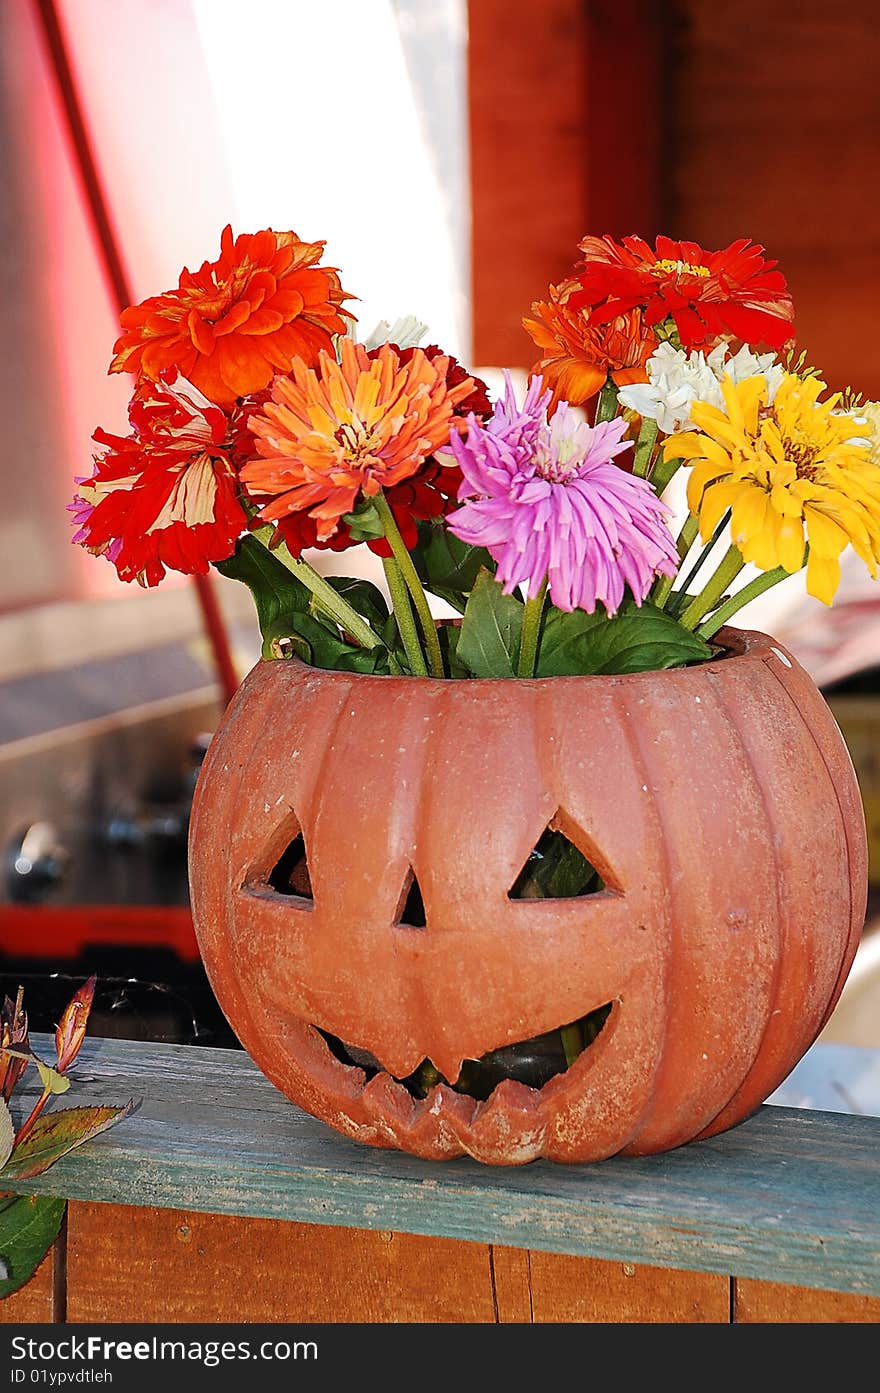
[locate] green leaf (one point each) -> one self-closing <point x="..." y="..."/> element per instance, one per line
<point x="563" y="646"/>
<point x="29" y="1225"/>
<point x="636" y="639"/>
<point x="277" y="594"/>
<point x="448" y="633"/>
<point x="448" y="567"/>
<point x="489" y="638"/>
<point x="397" y="660"/>
<point x="328" y="649"/>
<point x="52" y="1081"/>
<point x="364" y="597"/>
<point x="364" y="524"/>
<point x="54" y="1134"/>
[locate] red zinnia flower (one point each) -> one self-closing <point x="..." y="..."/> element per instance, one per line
<point x="476" y="401"/>
<point x="709" y="295"/>
<point x="231" y="325"/>
<point x="167" y="495"/>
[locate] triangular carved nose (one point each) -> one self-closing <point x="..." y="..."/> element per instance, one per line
<point x="555" y="869"/>
<point x="411" y="907"/>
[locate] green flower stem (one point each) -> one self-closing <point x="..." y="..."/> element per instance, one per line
<point x="403" y="613"/>
<point x="606" y="408"/>
<point x="663" y="586"/>
<point x="663" y="472"/>
<point x="572" y="1041"/>
<point x="533" y="612"/>
<point x="413" y="584"/>
<point x="644" y="446"/>
<point x="728" y="569"/>
<point x="703" y="556"/>
<point x="688" y="535"/>
<point x="325" y="596"/>
<point x="742" y="597"/>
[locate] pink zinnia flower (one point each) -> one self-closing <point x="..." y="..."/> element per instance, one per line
<point x="547" y="501"/>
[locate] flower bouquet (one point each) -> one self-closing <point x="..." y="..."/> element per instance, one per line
<point x="261" y="429"/>
<point x="364" y="845"/>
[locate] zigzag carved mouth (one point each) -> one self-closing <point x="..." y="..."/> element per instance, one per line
<point x="532" y="1062"/>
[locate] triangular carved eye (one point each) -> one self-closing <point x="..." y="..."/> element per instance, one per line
<point x="290" y="874"/>
<point x="411" y="908"/>
<point x="555" y="870"/>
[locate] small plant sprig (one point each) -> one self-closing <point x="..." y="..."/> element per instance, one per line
<point x="29" y="1224"/>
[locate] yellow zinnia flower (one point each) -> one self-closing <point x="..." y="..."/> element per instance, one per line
<point x="792" y="472"/>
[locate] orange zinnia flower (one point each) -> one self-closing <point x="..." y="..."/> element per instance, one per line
<point x="344" y="429"/>
<point x="230" y="326"/>
<point x="578" y="355"/>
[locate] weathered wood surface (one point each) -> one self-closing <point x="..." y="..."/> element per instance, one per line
<point x="772" y="1303"/>
<point x="177" y="1267"/>
<point x="789" y="1196"/>
<point x="40" y="1300"/>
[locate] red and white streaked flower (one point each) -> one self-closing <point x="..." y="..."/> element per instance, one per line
<point x="166" y="496"/>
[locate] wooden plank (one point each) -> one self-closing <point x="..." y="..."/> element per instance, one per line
<point x="35" y="1302"/>
<point x="528" y="113"/>
<point x="789" y="1195"/>
<point x="774" y="126"/>
<point x="512" y="1285"/>
<point x="770" y="1303"/>
<point x="155" y="1265"/>
<point x="567" y="136"/>
<point x="594" y="1291"/>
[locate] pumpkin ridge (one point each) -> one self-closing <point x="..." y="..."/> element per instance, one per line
<point x="217" y="948"/>
<point x="775" y="1058"/>
<point x="631" y="730"/>
<point x="781" y="930"/>
<point x="572" y="1134"/>
<point x="856" y="922"/>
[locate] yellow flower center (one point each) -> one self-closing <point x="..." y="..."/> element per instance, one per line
<point x="679" y="268"/>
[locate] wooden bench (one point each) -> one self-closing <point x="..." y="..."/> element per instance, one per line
<point x="218" y="1200"/>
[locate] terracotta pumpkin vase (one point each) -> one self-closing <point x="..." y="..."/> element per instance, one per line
<point x="718" y="804"/>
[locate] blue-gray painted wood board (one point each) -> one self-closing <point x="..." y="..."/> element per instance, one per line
<point x="791" y="1195"/>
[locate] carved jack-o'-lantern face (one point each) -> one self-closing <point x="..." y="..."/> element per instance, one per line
<point x="717" y="804"/>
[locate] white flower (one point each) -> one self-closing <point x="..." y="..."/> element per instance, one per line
<point x="868" y="414"/>
<point x="677" y="379"/>
<point x="405" y="332"/>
